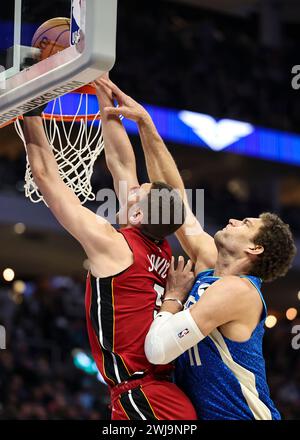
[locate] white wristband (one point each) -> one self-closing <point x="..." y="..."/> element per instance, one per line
<point x="173" y="299"/>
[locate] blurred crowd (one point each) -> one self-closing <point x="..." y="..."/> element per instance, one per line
<point x="183" y="57"/>
<point x="38" y="378"/>
<point x="283" y="368"/>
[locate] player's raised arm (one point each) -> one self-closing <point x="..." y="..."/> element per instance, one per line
<point x="161" y="166"/>
<point x="199" y="245"/>
<point x="119" y="153"/>
<point x="94" y="234"/>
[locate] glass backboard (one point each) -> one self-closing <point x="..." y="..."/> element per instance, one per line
<point x="34" y="68"/>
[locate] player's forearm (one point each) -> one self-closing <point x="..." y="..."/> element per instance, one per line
<point x="119" y="153"/>
<point x="45" y="170"/>
<point x="40" y="155"/>
<point x="117" y="144"/>
<point x="160" y="163"/>
<point x="170" y="335"/>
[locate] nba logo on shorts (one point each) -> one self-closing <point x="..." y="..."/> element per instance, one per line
<point x="76" y="21"/>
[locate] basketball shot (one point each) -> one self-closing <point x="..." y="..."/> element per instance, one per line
<point x="171" y="341"/>
<point x="123" y="264"/>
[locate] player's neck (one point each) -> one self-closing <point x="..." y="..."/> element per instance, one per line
<point x="230" y="265"/>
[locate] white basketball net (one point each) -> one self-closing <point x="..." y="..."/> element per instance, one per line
<point x="76" y="147"/>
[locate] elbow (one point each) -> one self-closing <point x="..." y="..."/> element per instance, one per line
<point x="156" y="359"/>
<point x="154" y="352"/>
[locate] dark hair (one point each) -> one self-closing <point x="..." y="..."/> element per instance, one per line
<point x="279" y="248"/>
<point x="163" y="209"/>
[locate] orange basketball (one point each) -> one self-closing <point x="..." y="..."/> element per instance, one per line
<point x="52" y="36"/>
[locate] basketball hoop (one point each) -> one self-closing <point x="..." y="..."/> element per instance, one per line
<point x="73" y="128"/>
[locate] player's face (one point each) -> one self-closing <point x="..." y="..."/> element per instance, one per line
<point x="138" y="194"/>
<point x="134" y="197"/>
<point x="239" y="234"/>
<point x="143" y="190"/>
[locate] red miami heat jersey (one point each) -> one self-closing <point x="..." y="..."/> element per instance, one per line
<point x="121" y="308"/>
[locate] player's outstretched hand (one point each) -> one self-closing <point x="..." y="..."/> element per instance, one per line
<point x="180" y="280"/>
<point x="127" y="106"/>
<point x="102" y="90"/>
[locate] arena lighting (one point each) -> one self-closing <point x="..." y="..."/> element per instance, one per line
<point x="85" y="363"/>
<point x="17" y="299"/>
<point x="19" y="228"/>
<point x="237" y="137"/>
<point x="291" y="314"/>
<point x="19" y="287"/>
<point x="271" y="321"/>
<point x="239" y="189"/>
<point x="8" y="274"/>
<point x="216" y="134"/>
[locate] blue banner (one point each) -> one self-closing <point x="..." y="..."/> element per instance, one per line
<point x="203" y="131"/>
<point x="262" y="143"/>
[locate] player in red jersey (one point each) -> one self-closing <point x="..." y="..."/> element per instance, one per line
<point x="119" y="312"/>
<point x="128" y="272"/>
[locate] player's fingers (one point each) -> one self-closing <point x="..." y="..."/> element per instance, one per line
<point x="111" y="110"/>
<point x="100" y="83"/>
<point x="105" y="76"/>
<point x="108" y="84"/>
<point x="172" y="266"/>
<point x="103" y="82"/>
<point x="102" y="87"/>
<point x="114" y="111"/>
<point x="180" y="265"/>
<point x="115" y="89"/>
<point x="119" y="94"/>
<point x="188" y="266"/>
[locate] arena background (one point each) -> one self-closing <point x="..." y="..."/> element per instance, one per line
<point x="228" y="59"/>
